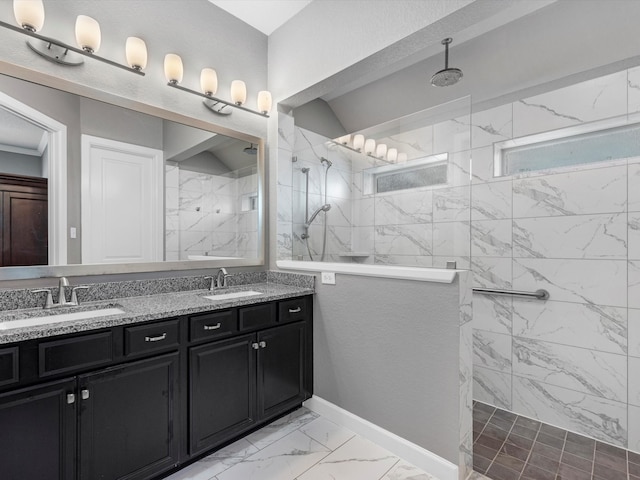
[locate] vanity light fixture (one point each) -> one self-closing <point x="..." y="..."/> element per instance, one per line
<point x="173" y="71"/>
<point x="369" y="146"/>
<point x="392" y="155"/>
<point x="29" y="15"/>
<point x="358" y="142"/>
<point x="381" y="150"/>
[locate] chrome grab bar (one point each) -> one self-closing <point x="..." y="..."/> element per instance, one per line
<point x="540" y="294"/>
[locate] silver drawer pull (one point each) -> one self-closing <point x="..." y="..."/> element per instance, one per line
<point x="262" y="344"/>
<point x="213" y="327"/>
<point x="295" y="310"/>
<point x="255" y="346"/>
<point x="71" y="398"/>
<point x="155" y="339"/>
<point x="84" y="393"/>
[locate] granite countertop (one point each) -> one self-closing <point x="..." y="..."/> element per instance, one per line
<point x="140" y="309"/>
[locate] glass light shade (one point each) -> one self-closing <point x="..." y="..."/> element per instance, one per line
<point x="344" y="140"/>
<point x="392" y="154"/>
<point x="173" y="68"/>
<point x="358" y="142"/>
<point x="209" y="81"/>
<point x="88" y="34"/>
<point x="136" y="52"/>
<point x="238" y="92"/>
<point x="264" y="101"/>
<point x="402" y="157"/>
<point x="381" y="150"/>
<point x="29" y="14"/>
<point x="369" y="146"/>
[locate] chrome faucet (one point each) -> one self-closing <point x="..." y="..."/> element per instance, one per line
<point x="221" y="278"/>
<point x="62" y="291"/>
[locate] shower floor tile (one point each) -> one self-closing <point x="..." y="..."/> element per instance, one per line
<point x="510" y="447"/>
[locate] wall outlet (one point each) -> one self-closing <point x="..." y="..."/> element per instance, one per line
<point x="328" y="278"/>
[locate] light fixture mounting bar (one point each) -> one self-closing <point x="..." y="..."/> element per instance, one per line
<point x="71" y="48"/>
<point x="361" y="152"/>
<point x="214" y="99"/>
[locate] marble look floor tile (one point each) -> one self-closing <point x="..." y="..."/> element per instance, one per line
<point x="216" y="463"/>
<point x="285" y="459"/>
<point x="405" y="471"/>
<point x="580" y="325"/>
<point x="404" y="208"/>
<point x="327" y="433"/>
<point x="413" y="239"/>
<point x="358" y="459"/>
<point x="281" y="427"/>
<point x="451" y="204"/>
<point x="492" y="272"/>
<point x="451" y="239"/>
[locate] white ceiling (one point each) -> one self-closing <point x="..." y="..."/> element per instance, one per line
<point x="263" y="15"/>
<point x="19" y="135"/>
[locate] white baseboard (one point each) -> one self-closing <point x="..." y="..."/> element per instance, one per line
<point x="412" y="453"/>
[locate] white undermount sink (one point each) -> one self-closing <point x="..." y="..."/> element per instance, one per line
<point x="62" y="317"/>
<point x="230" y="296"/>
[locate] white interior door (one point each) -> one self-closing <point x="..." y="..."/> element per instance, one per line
<point x="122" y="202"/>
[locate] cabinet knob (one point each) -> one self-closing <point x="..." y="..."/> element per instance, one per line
<point x="213" y="327"/>
<point x="84" y="393"/>
<point x="71" y="398"/>
<point x="262" y="344"/>
<point x="255" y="346"/>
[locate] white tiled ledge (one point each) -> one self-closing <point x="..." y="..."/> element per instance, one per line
<point x="439" y="275"/>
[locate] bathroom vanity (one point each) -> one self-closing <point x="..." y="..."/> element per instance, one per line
<point x="136" y="394"/>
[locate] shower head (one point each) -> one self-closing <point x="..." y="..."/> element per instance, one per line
<point x="328" y="162"/>
<point x="324" y="208"/>
<point x="252" y="150"/>
<point x="447" y="76"/>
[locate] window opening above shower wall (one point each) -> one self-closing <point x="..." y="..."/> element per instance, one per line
<point x="424" y="172"/>
<point x="584" y="144"/>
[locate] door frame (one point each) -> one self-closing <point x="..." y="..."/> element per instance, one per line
<point x="157" y="187"/>
<point x="56" y="164"/>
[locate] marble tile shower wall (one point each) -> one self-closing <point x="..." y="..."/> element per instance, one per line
<point x="203" y="215"/>
<point x="574" y="360"/>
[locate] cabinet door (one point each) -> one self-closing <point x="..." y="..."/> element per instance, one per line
<point x="24" y="229"/>
<point x="281" y="368"/>
<point x="128" y="416"/>
<point x="38" y="433"/>
<point x="222" y="391"/>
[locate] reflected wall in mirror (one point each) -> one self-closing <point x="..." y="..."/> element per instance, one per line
<point x="86" y="182"/>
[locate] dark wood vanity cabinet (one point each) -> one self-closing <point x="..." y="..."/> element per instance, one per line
<point x="239" y="382"/>
<point x="38" y="432"/>
<point x="127" y="418"/>
<point x="112" y="405"/>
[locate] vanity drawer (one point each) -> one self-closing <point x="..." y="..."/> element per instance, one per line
<point x="292" y="310"/>
<point x="213" y="325"/>
<point x="9" y="371"/>
<point x="151" y="337"/>
<point x="257" y="316"/>
<point x="76" y="353"/>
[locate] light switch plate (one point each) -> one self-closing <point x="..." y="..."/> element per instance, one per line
<point x="328" y="278"/>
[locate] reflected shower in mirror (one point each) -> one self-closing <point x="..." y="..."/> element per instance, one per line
<point x="86" y="182"/>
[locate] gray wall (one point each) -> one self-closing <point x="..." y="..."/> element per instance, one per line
<point x="387" y="351"/>
<point x="318" y="117"/>
<point x="19" y="164"/>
